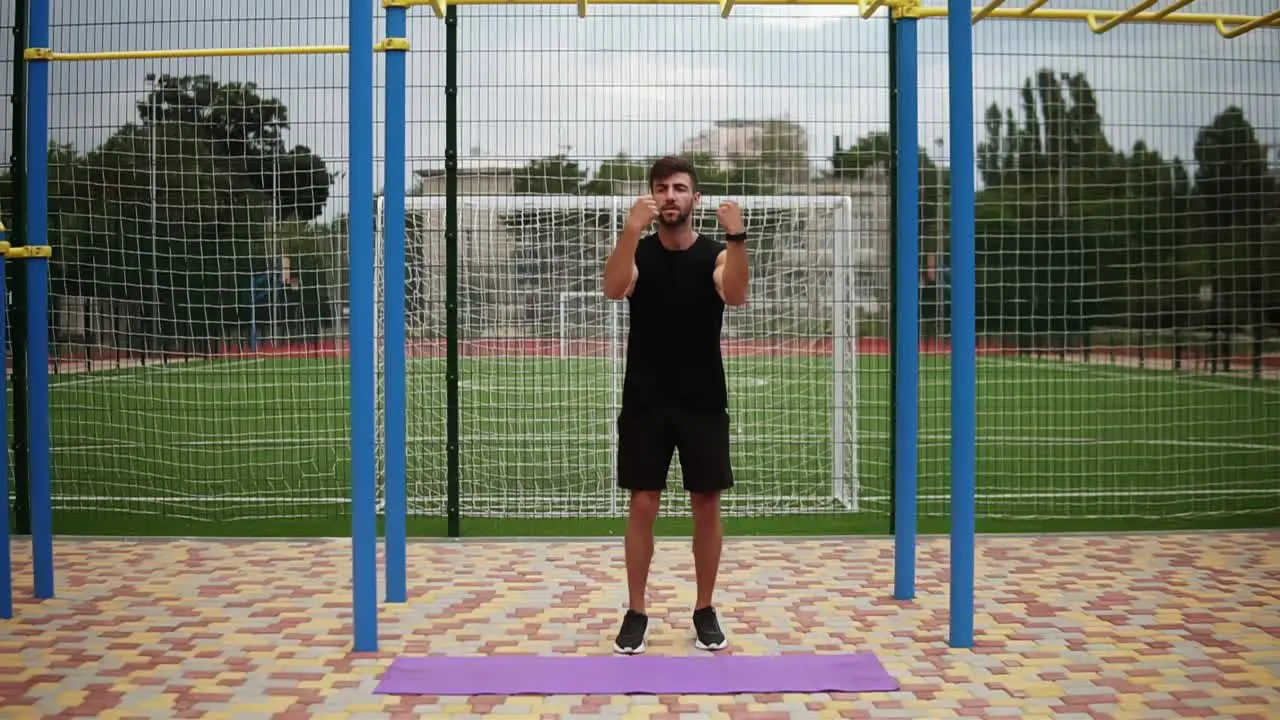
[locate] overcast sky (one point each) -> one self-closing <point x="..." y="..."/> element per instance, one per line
<point x="537" y="80"/>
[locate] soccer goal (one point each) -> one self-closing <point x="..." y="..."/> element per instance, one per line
<point x="542" y="356"/>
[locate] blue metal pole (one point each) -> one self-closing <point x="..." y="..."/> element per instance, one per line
<point x="964" y="371"/>
<point x="906" y="303"/>
<point x="6" y="560"/>
<point x="393" y="351"/>
<point x="364" y="511"/>
<point x="37" y="321"/>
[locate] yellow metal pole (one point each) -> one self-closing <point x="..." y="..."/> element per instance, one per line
<point x="1122" y="17"/>
<point x="1163" y="17"/>
<point x="986" y="10"/>
<point x="1242" y="28"/>
<point x="46" y="54"/>
<point x="1100" y="21"/>
<point x="1172" y="7"/>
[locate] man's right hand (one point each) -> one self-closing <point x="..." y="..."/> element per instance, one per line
<point x="643" y="212"/>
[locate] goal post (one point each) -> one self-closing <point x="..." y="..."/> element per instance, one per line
<point x="590" y="326"/>
<point x="541" y="355"/>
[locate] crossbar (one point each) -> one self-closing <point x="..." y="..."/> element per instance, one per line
<point x="1229" y="25"/>
<point x="55" y="56"/>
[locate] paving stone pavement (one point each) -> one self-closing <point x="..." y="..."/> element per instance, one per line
<point x="1089" y="627"/>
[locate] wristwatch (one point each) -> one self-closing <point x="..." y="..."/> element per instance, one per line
<point x="736" y="237"/>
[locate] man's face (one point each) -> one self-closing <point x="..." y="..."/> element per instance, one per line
<point x="676" y="199"/>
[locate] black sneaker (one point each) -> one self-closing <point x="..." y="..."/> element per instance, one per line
<point x="707" y="628"/>
<point x="630" y="640"/>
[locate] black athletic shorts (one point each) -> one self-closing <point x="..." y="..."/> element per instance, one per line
<point x="648" y="438"/>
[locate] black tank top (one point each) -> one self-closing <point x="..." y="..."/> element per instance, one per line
<point x="673" y="345"/>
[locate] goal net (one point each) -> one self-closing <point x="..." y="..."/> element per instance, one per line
<point x="542" y="356"/>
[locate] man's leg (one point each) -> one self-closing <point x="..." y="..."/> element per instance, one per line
<point x="638" y="544"/>
<point x="703" y="441"/>
<point x="645" y="447"/>
<point x="708" y="539"/>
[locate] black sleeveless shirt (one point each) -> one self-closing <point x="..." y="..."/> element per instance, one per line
<point x="673" y="344"/>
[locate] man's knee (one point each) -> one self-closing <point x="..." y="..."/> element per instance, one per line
<point x="705" y="503"/>
<point x="645" y="504"/>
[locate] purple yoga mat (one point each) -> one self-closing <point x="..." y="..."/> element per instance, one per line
<point x="634" y="675"/>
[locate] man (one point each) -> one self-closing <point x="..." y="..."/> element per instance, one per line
<point x="677" y="283"/>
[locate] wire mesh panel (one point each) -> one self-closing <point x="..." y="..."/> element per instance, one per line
<point x="1127" y="206"/>
<point x="543" y="348"/>
<point x="558" y="122"/>
<point x="197" y="211"/>
<point x="1127" y="245"/>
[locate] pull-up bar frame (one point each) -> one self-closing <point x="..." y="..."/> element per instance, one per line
<point x="903" y="14"/>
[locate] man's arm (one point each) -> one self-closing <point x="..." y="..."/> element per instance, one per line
<point x="620" y="272"/>
<point x="732" y="274"/>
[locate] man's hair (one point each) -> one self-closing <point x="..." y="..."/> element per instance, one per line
<point x="665" y="167"/>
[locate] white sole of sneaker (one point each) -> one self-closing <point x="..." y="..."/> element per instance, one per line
<point x="644" y="645"/>
<point x="710" y="646"/>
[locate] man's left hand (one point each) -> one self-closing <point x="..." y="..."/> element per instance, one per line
<point x="730" y="216"/>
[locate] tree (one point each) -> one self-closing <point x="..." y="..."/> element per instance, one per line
<point x="245" y="130"/>
<point x="616" y="174"/>
<point x="874" y="151"/>
<point x="1235" y="207"/>
<point x="1059" y="145"/>
<point x="162" y="226"/>
<point x="554" y="175"/>
<point x="1072" y="234"/>
<point x="318" y="272"/>
<point x="1150" y="205"/>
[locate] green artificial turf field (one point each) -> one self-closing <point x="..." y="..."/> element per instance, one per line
<point x="260" y="447"/>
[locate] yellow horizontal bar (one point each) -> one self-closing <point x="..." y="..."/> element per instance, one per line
<point x="28" y="251"/>
<point x="47" y="54"/>
<point x="1100" y="20"/>
<point x="391" y="44"/>
<point x="4" y="247"/>
<point x="438" y="6"/>
<point x="859" y="4"/>
<point x="1033" y="10"/>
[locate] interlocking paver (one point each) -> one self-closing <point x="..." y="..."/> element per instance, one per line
<point x="1142" y="626"/>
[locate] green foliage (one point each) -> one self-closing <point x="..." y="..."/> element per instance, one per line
<point x="1236" y="212"/>
<point x="1073" y="235"/>
<point x="874" y="151"/>
<point x="222" y="176"/>
<point x="557" y="175"/>
<point x="244" y="134"/>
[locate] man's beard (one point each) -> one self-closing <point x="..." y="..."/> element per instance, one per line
<point x="681" y="219"/>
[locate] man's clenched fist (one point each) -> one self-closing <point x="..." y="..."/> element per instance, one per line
<point x="643" y="212"/>
<point x="730" y="216"/>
